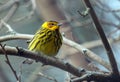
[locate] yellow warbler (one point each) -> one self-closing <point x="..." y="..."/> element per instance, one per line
<point x="47" y="40"/>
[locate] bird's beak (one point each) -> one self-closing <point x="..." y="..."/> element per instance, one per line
<point x="60" y="24"/>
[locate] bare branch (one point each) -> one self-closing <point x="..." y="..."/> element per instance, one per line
<point x="77" y="46"/>
<point x="110" y="23"/>
<point x="114" y="13"/>
<point x="30" y="14"/>
<point x="104" y="8"/>
<point x="67" y="79"/>
<point x="88" y="53"/>
<point x="16" y="36"/>
<point x="50" y="78"/>
<point x="104" y="39"/>
<point x="54" y="62"/>
<point x="8" y="5"/>
<point x="20" y="71"/>
<point x="88" y="77"/>
<point x="10" y="13"/>
<point x="44" y="59"/>
<point x="10" y="30"/>
<point x="95" y="43"/>
<point x="8" y="62"/>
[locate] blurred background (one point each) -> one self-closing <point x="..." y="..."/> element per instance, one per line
<point x="26" y="16"/>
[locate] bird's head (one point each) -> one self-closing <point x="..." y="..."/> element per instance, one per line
<point x="51" y="25"/>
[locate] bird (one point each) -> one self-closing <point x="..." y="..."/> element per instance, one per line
<point x="47" y="40"/>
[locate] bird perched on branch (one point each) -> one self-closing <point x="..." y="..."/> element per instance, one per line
<point x="47" y="40"/>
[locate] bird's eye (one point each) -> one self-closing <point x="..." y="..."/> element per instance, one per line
<point x="52" y="24"/>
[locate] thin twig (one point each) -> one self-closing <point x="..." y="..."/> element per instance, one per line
<point x="96" y="43"/>
<point x="88" y="77"/>
<point x="8" y="61"/>
<point x="67" y="79"/>
<point x="10" y="13"/>
<point x="84" y="13"/>
<point x="10" y="30"/>
<point x="8" y="5"/>
<point x="80" y="79"/>
<point x="48" y="77"/>
<point x="104" y="8"/>
<point x="30" y="14"/>
<point x="20" y="71"/>
<point x="114" y="31"/>
<point x="110" y="23"/>
<point x="104" y="39"/>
